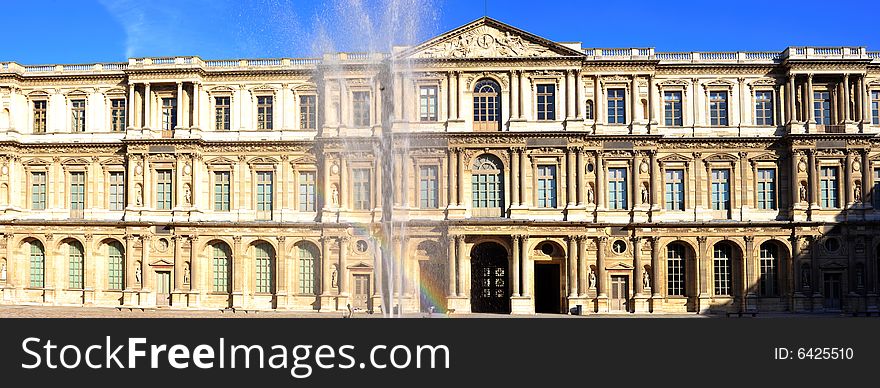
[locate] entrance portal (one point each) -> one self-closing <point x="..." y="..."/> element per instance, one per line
<point x="163" y="288"/>
<point x="832" y="291"/>
<point x="619" y="293"/>
<point x="361" y="296"/>
<point x="547" y="288"/>
<point x="489" y="285"/>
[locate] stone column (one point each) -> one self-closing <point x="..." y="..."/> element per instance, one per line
<point x="572" y="261"/>
<point x="569" y="95"/>
<point x="865" y="101"/>
<point x="581" y="179"/>
<point x="601" y="244"/>
<point x="655" y="179"/>
<point x="462" y="270"/>
<point x="526" y="284"/>
<point x="848" y="181"/>
<point x="179" y="97"/>
<point x="178" y="263"/>
<point x="749" y="281"/>
<point x="794" y="182"/>
<point x="195" y="111"/>
<point x="452" y="176"/>
<point x="281" y="266"/>
<point x="129" y="271"/>
<point x="846" y="94"/>
<point x="147" y="100"/>
<point x="514" y="94"/>
<point x="461" y="168"/>
<point x="450" y="95"/>
<point x="790" y="108"/>
<point x="637" y="263"/>
<point x="515" y="291"/>
<point x="634" y="99"/>
<point x="343" y="271"/>
<point x="792" y="270"/>
<point x="194" y="266"/>
<point x="811" y="113"/>
<point x="600" y="181"/>
<point x="867" y="180"/>
<point x="523" y="174"/>
<point x="514" y="179"/>
<point x="656" y="266"/>
<point x="578" y="94"/>
<point x="636" y="185"/>
<point x="571" y="177"/>
<point x="582" y="266"/>
<point x="701" y="267"/>
<point x="813" y="180"/>
<point x="519" y="102"/>
<point x="129" y="105"/>
<point x="457" y="95"/>
<point x="238" y="270"/>
<point x="450" y="265"/>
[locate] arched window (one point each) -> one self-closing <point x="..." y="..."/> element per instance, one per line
<point x="75" y="265"/>
<point x="265" y="262"/>
<point x="675" y="270"/>
<point x="769" y="264"/>
<point x="487" y="187"/>
<point x="307" y="274"/>
<point x="487" y="106"/>
<point x="115" y="272"/>
<point x="722" y="255"/>
<point x="37" y="265"/>
<point x="220" y="267"/>
<point x="588" y="111"/>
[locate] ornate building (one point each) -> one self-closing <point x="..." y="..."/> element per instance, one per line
<point x="485" y="170"/>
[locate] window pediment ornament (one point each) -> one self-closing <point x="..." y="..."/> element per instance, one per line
<point x="263" y="88"/>
<point x="616" y="79"/>
<point x="35" y="162"/>
<point x="115" y="92"/>
<point x="502" y="79"/>
<point x="765" y="82"/>
<point x="75" y="161"/>
<point x="720" y="158"/>
<point x="674" y="158"/>
<point x="672" y="83"/>
<point x="304" y="160"/>
<point x="38" y="94"/>
<point x="262" y="161"/>
<point x="765" y="157"/>
<point x="112" y="162"/>
<point x="874" y="83"/>
<point x="718" y="84"/>
<point x="220" y="161"/>
<point x="221" y="90"/>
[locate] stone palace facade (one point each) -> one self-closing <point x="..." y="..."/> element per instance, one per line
<point x="533" y="176"/>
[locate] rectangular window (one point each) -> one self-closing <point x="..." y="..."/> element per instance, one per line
<point x="764" y="107"/>
<point x="361" y="105"/>
<point x="114" y="266"/>
<point x="361" y="178"/>
<point x="617" y="188"/>
<point x="38" y="266"/>
<point x="264" y="195"/>
<point x="718" y="108"/>
<point x="428" y="103"/>
<point x="117" y="190"/>
<point x="828" y="187"/>
<point x="875" y="193"/>
<point x="720" y="189"/>
<point x="674" y="189"/>
<point x="220" y="263"/>
<point x="428" y="188"/>
<point x="616" y="106"/>
<point x="675" y="261"/>
<point x="78" y="115"/>
<point x="307" y="191"/>
<point x="875" y="107"/>
<point x="308" y="114"/>
<point x="546" y="101"/>
<point x="547" y="186"/>
<point x="264" y="113"/>
<point x="163" y="189"/>
<point x="221" y="191"/>
<point x="117" y="115"/>
<point x="822" y="107"/>
<point x="672" y="109"/>
<point x="766" y="188"/>
<point x="77" y="191"/>
<point x="722" y="271"/>
<point x="222" y="109"/>
<point x="40" y="116"/>
<point x="169" y="114"/>
<point x="38" y="190"/>
<point x="75" y="267"/>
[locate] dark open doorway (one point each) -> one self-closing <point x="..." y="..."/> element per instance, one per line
<point x="547" y="287"/>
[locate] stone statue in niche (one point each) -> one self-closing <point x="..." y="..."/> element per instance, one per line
<point x="138" y="195"/>
<point x="857" y="192"/>
<point x="590" y="194"/>
<point x="592" y="279"/>
<point x="186" y="274"/>
<point x="646" y="279"/>
<point x="187" y="194"/>
<point x="334" y="196"/>
<point x="803" y="191"/>
<point x="805" y="277"/>
<point x="3" y="272"/>
<point x="137" y="274"/>
<point x="646" y="195"/>
<point x="334" y="276"/>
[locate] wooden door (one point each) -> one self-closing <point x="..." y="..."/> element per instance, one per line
<point x="361" y="296"/>
<point x="619" y="293"/>
<point x="832" y="291"/>
<point x="163" y="288"/>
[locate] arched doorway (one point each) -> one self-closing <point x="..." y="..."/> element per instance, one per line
<point x="487" y="186"/>
<point x="487" y="106"/>
<point x="490" y="291"/>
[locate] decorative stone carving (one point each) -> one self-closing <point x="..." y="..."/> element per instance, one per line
<point x="486" y="42"/>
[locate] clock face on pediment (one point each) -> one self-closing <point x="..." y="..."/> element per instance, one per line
<point x="487" y="38"/>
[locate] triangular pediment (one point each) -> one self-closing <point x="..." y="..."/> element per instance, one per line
<point x="620" y="266"/>
<point x="360" y="265"/>
<point x="488" y="38"/>
<point x="673" y="159"/>
<point x="161" y="263"/>
<point x="765" y="157"/>
<point x="721" y="158"/>
<point x="220" y="160"/>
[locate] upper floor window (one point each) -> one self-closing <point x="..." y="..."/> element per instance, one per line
<point x="487" y="186"/>
<point x="361" y="105"/>
<point x="828" y="185"/>
<point x="763" y="107"/>
<point x="547" y="186"/>
<point x="875" y="193"/>
<point x="169" y="114"/>
<point x="77" y="192"/>
<point x="40" y="116"/>
<point x="38" y="190"/>
<point x="718" y="108"/>
<point x="221" y="191"/>
<point x="766" y="188"/>
<point x="672" y="109"/>
<point x="487" y="106"/>
<point x="264" y="195"/>
<point x="616" y="106"/>
<point x="78" y="115"/>
<point x="720" y="189"/>
<point x="546" y="101"/>
<point x="875" y="107"/>
<point x="117" y="190"/>
<point x="117" y="115"/>
<point x="588" y="110"/>
<point x="362" y="188"/>
<point x="428" y="187"/>
<point x="428" y="103"/>
<point x="264" y="112"/>
<point x="617" y="188"/>
<point x="222" y="109"/>
<point x="307" y="191"/>
<point x="308" y="114"/>
<point x="674" y="189"/>
<point x="822" y="107"/>
<point x="164" y="189"/>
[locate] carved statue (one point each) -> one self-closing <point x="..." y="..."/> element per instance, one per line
<point x="592" y="279"/>
<point x="186" y="274"/>
<point x="137" y="275"/>
<point x="590" y="195"/>
<point x="646" y="279"/>
<point x="645" y="195"/>
<point x="139" y="196"/>
<point x="3" y="271"/>
<point x="803" y="191"/>
<point x="805" y="277"/>
<point x="187" y="195"/>
<point x="857" y="193"/>
<point x="333" y="278"/>
<point x="334" y="196"/>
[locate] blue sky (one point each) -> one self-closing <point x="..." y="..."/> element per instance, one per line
<point x="85" y="31"/>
